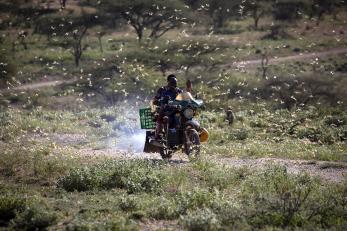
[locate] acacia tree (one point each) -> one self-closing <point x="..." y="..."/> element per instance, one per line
<point x="71" y="28"/>
<point x="155" y="15"/>
<point x="221" y="10"/>
<point x="287" y="10"/>
<point x="318" y="8"/>
<point x="258" y="9"/>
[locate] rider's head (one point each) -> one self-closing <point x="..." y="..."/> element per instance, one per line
<point x="172" y="81"/>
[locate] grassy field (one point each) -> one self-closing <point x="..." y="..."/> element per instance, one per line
<point x="51" y="178"/>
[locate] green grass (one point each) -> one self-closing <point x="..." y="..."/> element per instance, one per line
<point x="16" y="122"/>
<point x="302" y="134"/>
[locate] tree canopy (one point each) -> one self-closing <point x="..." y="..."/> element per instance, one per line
<point x="157" y="16"/>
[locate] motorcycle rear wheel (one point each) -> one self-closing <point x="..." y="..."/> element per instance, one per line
<point x="192" y="143"/>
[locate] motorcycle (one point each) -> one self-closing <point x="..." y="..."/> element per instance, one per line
<point x="180" y="130"/>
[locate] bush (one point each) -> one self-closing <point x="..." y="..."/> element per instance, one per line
<point x="258" y="123"/>
<point x="164" y="209"/>
<point x="137" y="176"/>
<point x="82" y="179"/>
<point x="8" y="128"/>
<point x="335" y="121"/>
<point x="231" y="215"/>
<point x="319" y="134"/>
<point x="134" y="176"/>
<point x="277" y="33"/>
<point x="202" y="219"/>
<point x="287" y="10"/>
<point x="129" y="203"/>
<point x="240" y="134"/>
<point x="197" y="198"/>
<point x="9" y="207"/>
<point x="119" y="223"/>
<point x="34" y="218"/>
<point x="277" y="198"/>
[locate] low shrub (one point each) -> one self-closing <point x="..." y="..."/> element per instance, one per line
<point x="335" y="121"/>
<point x="9" y="207"/>
<point x="202" y="219"/>
<point x="134" y="176"/>
<point x="240" y="134"/>
<point x="319" y="134"/>
<point x="8" y="127"/>
<point x="257" y="124"/>
<point x="82" y="179"/>
<point x="164" y="209"/>
<point x="197" y="198"/>
<point x="231" y="215"/>
<point x="279" y="199"/>
<point x="129" y="203"/>
<point x="119" y="223"/>
<point x="34" y="218"/>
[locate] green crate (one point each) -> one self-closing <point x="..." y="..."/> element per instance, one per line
<point x="146" y="118"/>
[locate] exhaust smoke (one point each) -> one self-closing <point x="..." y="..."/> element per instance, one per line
<point x="127" y="135"/>
<point x="131" y="142"/>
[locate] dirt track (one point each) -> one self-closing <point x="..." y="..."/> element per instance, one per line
<point x="38" y="85"/>
<point x="300" y="56"/>
<point x="328" y="171"/>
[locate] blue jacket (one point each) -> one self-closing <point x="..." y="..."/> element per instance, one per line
<point x="164" y="94"/>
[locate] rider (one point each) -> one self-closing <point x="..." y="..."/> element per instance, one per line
<point x="161" y="99"/>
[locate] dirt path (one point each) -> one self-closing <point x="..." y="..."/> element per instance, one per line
<point x="300" y="56"/>
<point x="328" y="171"/>
<point x="38" y="85"/>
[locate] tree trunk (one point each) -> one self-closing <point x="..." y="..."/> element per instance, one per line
<point x="320" y="17"/>
<point x="140" y="35"/>
<point x="13" y="49"/>
<point x="139" y="32"/>
<point x="25" y="46"/>
<point x="77" y="61"/>
<point x="100" y="44"/>
<point x="256" y="22"/>
<point x="218" y="20"/>
<point x="62" y="3"/>
<point x="264" y="64"/>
